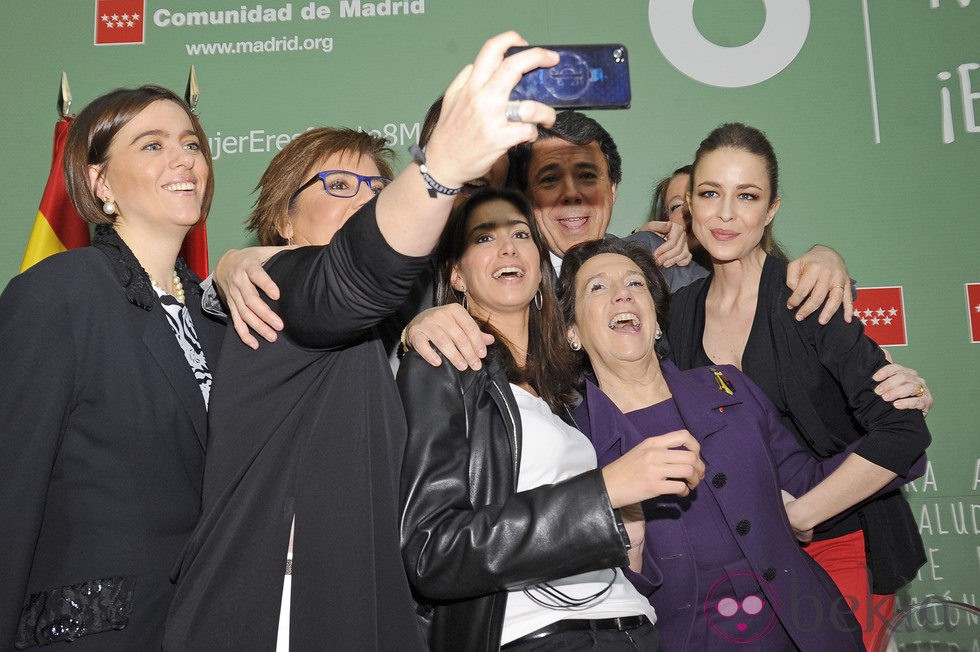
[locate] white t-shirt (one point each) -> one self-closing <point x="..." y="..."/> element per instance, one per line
<point x="552" y="451"/>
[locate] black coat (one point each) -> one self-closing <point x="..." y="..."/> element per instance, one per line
<point x="309" y="425"/>
<point x="103" y="437"/>
<point x="819" y="378"/>
<point x="467" y="535"/>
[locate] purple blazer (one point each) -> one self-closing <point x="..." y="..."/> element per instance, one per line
<point x="749" y="456"/>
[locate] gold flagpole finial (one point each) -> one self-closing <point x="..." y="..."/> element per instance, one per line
<point x="193" y="92"/>
<point x="64" y="96"/>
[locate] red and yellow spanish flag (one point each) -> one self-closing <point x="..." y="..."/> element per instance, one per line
<point x="59" y="227"/>
<point x="195" y="249"/>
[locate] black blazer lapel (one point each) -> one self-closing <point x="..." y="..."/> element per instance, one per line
<point x="159" y="339"/>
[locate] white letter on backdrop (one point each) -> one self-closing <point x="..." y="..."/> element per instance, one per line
<point x="781" y="39"/>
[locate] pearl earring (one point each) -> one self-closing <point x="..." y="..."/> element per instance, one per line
<point x="109" y="207"/>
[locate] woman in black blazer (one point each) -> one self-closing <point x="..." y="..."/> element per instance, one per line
<point x="103" y="397"/>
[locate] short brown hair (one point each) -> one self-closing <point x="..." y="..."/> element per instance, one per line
<point x="91" y="135"/>
<point x="293" y="166"/>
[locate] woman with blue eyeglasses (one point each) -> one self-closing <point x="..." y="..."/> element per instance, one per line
<point x="316" y="183"/>
<point x="307" y="432"/>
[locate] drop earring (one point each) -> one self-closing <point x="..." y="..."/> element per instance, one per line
<point x="463" y="301"/>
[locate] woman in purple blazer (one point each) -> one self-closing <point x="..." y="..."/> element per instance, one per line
<point x="721" y="565"/>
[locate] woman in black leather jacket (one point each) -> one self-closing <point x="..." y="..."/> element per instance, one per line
<point x="509" y="532"/>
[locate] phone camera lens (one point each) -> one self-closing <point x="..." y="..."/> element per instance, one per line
<point x="619" y="55"/>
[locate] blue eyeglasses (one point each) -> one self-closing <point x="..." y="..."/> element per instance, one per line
<point x="344" y="184"/>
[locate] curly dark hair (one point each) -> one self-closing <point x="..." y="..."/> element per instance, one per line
<point x="582" y="253"/>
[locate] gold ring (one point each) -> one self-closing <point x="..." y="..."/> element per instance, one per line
<point x="922" y="390"/>
<point x="837" y="285"/>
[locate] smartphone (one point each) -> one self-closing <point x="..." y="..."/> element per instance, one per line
<point x="586" y="77"/>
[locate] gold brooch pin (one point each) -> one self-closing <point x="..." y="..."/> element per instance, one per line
<point x="724" y="385"/>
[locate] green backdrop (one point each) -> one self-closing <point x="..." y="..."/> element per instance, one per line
<point x="874" y="120"/>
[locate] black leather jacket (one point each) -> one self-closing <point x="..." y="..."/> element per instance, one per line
<point x="467" y="535"/>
